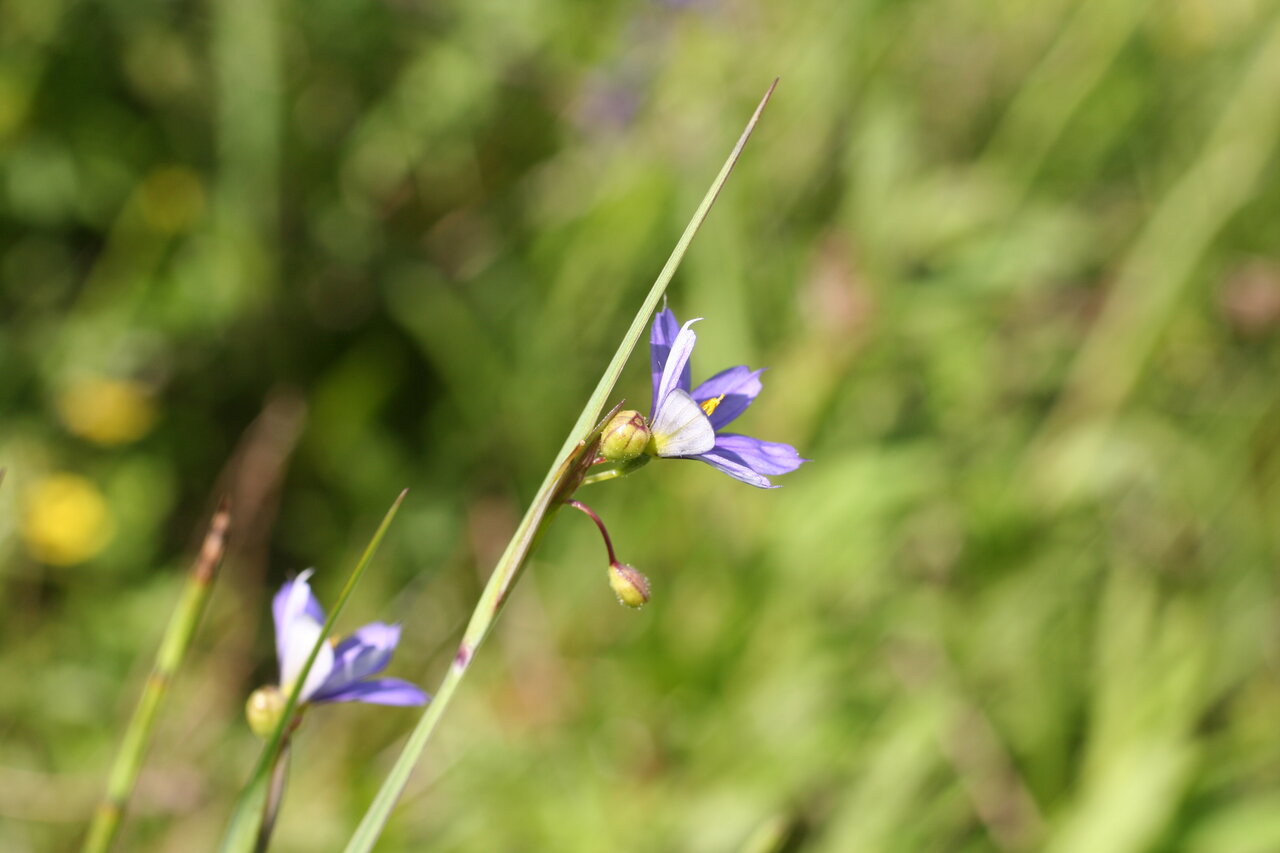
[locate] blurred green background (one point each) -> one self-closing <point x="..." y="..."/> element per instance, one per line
<point x="1014" y="270"/>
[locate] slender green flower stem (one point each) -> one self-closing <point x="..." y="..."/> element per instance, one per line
<point x="602" y="472"/>
<point x="491" y="601"/>
<point x="603" y="476"/>
<point x="177" y="637"/>
<point x="575" y="459"/>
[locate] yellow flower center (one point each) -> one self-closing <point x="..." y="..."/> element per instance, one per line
<point x="709" y="406"/>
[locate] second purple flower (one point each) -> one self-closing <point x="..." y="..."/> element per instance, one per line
<point x="687" y="422"/>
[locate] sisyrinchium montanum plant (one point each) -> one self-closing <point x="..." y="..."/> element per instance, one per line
<point x="685" y="422"/>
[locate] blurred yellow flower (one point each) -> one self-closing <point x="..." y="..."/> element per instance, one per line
<point x="107" y="411"/>
<point x="66" y="520"/>
<point x="171" y="199"/>
<point x="1188" y="27"/>
<point x="14" y="104"/>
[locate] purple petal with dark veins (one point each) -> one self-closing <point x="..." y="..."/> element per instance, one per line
<point x="286" y="607"/>
<point x="661" y="337"/>
<point x="751" y="459"/>
<point x="739" y="385"/>
<point x="364" y="653"/>
<point x="733" y="465"/>
<point x="763" y="457"/>
<point x="379" y="691"/>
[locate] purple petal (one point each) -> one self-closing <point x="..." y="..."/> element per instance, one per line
<point x="364" y="653"/>
<point x="739" y="385"/>
<point x="735" y="468"/>
<point x="302" y="635"/>
<point x="661" y="337"/>
<point x="763" y="457"/>
<point x="750" y="459"/>
<point x="379" y="691"/>
<point x="675" y="373"/>
<point x="293" y="599"/>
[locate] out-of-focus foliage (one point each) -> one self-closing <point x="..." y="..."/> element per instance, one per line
<point x="1014" y="269"/>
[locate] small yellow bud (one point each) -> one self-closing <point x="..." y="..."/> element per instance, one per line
<point x="624" y="437"/>
<point x="263" y="710"/>
<point x="631" y="587"/>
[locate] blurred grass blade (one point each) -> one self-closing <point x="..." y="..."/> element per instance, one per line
<point x="1223" y="178"/>
<point x="247" y="820"/>
<point x="771" y="836"/>
<point x="536" y="517"/>
<point x="173" y="648"/>
<point x="1092" y="36"/>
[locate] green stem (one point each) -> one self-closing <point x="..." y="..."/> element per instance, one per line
<point x="177" y="637"/>
<point x="483" y="618"/>
<point x="279" y="779"/>
<point x="611" y="471"/>
<point x="575" y="457"/>
<point x="602" y="476"/>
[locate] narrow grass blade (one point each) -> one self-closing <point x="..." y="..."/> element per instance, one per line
<point x="567" y="471"/>
<point x="246" y="821"/>
<point x="177" y="637"/>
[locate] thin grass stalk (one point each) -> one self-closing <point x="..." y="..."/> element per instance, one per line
<point x="173" y="648"/>
<point x="275" y="797"/>
<point x="245" y="827"/>
<point x="558" y="486"/>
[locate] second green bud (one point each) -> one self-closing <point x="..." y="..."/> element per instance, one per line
<point x="625" y="436"/>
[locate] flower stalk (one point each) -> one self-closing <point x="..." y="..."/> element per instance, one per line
<point x="275" y="796"/>
<point x="173" y="648"/>
<point x="631" y="587"/>
<point x="604" y="533"/>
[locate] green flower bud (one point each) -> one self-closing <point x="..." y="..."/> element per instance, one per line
<point x="631" y="587"/>
<point x="624" y="437"/>
<point x="263" y="710"/>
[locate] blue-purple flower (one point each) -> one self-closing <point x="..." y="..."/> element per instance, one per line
<point x="686" y="422"/>
<point x="342" y="669"/>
